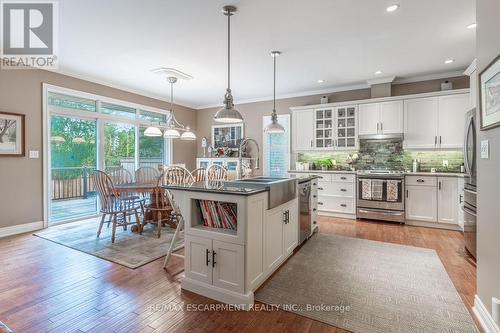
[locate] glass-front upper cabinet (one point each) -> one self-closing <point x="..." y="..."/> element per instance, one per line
<point x="345" y="128"/>
<point x="323" y="128"/>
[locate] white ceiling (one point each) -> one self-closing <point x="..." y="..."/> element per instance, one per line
<point x="118" y="42"/>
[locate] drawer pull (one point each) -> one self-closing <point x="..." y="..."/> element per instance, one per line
<point x="206" y="257"/>
<point x="314" y="222"/>
<point x="320" y="203"/>
<point x="343" y="178"/>
<point x="343" y="190"/>
<point x="315" y="184"/>
<point x="420" y="181"/>
<point x="320" y="188"/>
<point x="343" y="205"/>
<point x="320" y="177"/>
<point x="314" y="209"/>
<point x="315" y="196"/>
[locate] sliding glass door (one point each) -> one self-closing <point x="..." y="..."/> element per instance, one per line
<point x="87" y="132"/>
<point x="73" y="158"/>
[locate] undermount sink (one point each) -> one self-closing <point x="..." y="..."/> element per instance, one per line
<point x="280" y="190"/>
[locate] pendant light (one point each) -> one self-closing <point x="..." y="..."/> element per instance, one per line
<point x="228" y="114"/>
<point x="172" y="127"/>
<point x="274" y="127"/>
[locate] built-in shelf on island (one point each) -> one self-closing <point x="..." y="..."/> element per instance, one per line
<point x="211" y="215"/>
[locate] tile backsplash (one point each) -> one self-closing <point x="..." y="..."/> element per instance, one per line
<point x="373" y="154"/>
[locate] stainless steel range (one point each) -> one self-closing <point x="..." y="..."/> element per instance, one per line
<point x="381" y="195"/>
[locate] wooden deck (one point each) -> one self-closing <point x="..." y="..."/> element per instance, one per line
<point x="46" y="287"/>
<point x="69" y="209"/>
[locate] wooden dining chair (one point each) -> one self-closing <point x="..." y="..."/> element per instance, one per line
<point x="120" y="175"/>
<point x="216" y="172"/>
<point x="199" y="174"/>
<point x="112" y="203"/>
<point x="177" y="175"/>
<point x="147" y="175"/>
<point x="161" y="206"/>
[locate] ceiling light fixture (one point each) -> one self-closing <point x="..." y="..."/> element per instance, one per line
<point x="274" y="126"/>
<point x="321" y="81"/>
<point x="392" y="8"/>
<point x="228" y="114"/>
<point x="449" y="61"/>
<point x="172" y="127"/>
<point x="378" y="72"/>
<point x="472" y="26"/>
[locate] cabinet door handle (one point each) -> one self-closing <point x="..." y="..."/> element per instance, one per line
<point x="407" y="193"/>
<point x="320" y="203"/>
<point x="287" y="216"/>
<point x="213" y="259"/>
<point x="435" y="140"/>
<point x="420" y="181"/>
<point x="314" y="209"/>
<point x="343" y="178"/>
<point x="284" y="217"/>
<point x="381" y="127"/>
<point x="343" y="205"/>
<point x="440" y="139"/>
<point x="207" y="255"/>
<point x="460" y="198"/>
<point x="315" y="196"/>
<point x="343" y="190"/>
<point x="439" y="186"/>
<point x="320" y="189"/>
<point x="378" y="125"/>
<point x="311" y="143"/>
<point x="315" y="184"/>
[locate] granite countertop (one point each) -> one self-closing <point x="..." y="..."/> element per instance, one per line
<point x="322" y="171"/>
<point x="440" y="174"/>
<point x="217" y="187"/>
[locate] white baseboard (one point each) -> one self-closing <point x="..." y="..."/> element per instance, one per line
<point x="21" y="228"/>
<point x="484" y="317"/>
<point x="436" y="225"/>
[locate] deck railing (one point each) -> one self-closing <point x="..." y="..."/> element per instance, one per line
<point x="76" y="182"/>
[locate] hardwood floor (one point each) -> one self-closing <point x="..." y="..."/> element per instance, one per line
<point x="46" y="287"/>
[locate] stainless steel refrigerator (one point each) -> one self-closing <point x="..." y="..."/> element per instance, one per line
<point x="470" y="184"/>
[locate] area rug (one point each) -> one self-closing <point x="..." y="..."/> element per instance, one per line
<point x="368" y="287"/>
<point x="4" y="328"/>
<point x="129" y="249"/>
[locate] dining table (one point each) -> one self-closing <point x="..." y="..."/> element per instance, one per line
<point x="143" y="188"/>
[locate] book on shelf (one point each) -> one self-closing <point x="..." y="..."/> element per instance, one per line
<point x="217" y="214"/>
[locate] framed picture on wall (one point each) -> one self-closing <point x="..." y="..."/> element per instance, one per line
<point x="12" y="134"/>
<point x="489" y="95"/>
<point x="227" y="136"/>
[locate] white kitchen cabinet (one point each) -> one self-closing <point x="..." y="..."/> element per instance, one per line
<point x="215" y="262"/>
<point x="391" y="117"/>
<point x="451" y="122"/>
<point x="369" y="118"/>
<point x="324" y="135"/>
<point x="198" y="259"/>
<point x="274" y="253"/>
<point x="420" y="123"/>
<point x="447" y="200"/>
<point x="303" y="129"/>
<point x="345" y="128"/>
<point x="291" y="229"/>
<point x="421" y="203"/>
<point x="381" y="118"/>
<point x="228" y="266"/>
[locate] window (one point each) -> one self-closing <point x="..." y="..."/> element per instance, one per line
<point x="117" y="110"/>
<point x="60" y="101"/>
<point x="119" y="147"/>
<point x="151" y="150"/>
<point x="276" y="150"/>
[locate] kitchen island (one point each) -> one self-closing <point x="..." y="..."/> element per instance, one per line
<point x="236" y="235"/>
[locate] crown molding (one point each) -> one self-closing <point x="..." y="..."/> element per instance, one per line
<point x="387" y="79"/>
<point x="472" y="67"/>
<point x="435" y="76"/>
<point x="116" y="86"/>
<point x="291" y="95"/>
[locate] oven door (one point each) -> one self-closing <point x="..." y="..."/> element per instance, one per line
<point x="382" y="203"/>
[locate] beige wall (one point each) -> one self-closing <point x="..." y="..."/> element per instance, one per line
<point x="253" y="112"/>
<point x="21" y="178"/>
<point x="488" y="250"/>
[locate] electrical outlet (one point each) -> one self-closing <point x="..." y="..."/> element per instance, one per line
<point x="445" y="163"/>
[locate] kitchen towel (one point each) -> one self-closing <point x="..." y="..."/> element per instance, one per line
<point x="377" y="188"/>
<point x="366" y="189"/>
<point x="392" y="190"/>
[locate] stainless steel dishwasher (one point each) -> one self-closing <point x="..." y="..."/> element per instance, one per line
<point x="305" y="209"/>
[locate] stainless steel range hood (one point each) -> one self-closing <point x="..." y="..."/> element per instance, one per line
<point x="395" y="136"/>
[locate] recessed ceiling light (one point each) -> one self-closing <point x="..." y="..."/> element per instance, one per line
<point x="472" y="26"/>
<point x="321" y="81"/>
<point x="378" y="72"/>
<point x="392" y="8"/>
<point x="449" y="61"/>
